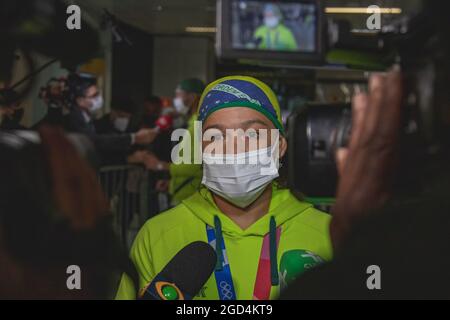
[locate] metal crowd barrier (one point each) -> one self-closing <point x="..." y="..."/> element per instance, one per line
<point x="132" y="198"/>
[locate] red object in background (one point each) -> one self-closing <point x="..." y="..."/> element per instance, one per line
<point x="164" y="123"/>
<point x="166" y="102"/>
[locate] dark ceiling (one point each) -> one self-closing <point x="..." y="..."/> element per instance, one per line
<point x="173" y="16"/>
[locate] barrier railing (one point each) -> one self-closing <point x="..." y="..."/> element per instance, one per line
<point x="132" y="198"/>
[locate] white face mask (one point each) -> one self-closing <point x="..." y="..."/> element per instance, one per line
<point x="242" y="182"/>
<point x="96" y="104"/>
<point x="271" y="22"/>
<point x="180" y="106"/>
<point x="121" y="123"/>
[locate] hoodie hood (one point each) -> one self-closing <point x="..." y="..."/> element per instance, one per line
<point x="283" y="207"/>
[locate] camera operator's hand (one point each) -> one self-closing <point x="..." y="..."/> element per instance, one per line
<point x="145" y="136"/>
<point x="76" y="191"/>
<point x="366" y="168"/>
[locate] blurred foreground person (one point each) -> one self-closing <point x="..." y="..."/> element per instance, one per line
<point x="53" y="215"/>
<point x="391" y="221"/>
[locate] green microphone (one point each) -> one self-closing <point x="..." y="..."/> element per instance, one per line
<point x="296" y="262"/>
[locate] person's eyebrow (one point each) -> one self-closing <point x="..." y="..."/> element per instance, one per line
<point x="215" y="126"/>
<point x="249" y="123"/>
<point x="244" y="124"/>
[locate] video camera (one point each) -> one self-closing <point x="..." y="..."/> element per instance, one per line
<point x="62" y="92"/>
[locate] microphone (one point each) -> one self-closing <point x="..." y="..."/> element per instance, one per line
<point x="164" y="123"/>
<point x="296" y="262"/>
<point x="183" y="277"/>
<point x="258" y="41"/>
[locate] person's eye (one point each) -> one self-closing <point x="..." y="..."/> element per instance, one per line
<point x="217" y="137"/>
<point x="252" y="135"/>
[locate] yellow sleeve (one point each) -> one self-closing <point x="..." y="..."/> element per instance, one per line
<point x="141" y="256"/>
<point x="126" y="290"/>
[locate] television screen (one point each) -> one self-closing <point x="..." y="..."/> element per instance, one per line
<point x="273" y="26"/>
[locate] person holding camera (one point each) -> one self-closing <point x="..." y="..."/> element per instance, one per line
<point x="11" y="112"/>
<point x="87" y="100"/>
<point x="77" y="108"/>
<point x="391" y="221"/>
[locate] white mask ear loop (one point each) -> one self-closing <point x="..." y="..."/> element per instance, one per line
<point x="274" y="159"/>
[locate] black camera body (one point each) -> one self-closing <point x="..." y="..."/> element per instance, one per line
<point x="421" y="49"/>
<point x="62" y="92"/>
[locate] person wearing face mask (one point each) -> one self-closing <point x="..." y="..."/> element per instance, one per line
<point x="120" y="119"/>
<point x="241" y="209"/>
<point x="274" y="35"/>
<point x="86" y="102"/>
<point x="187" y="95"/>
<point x="11" y="113"/>
<point x="185" y="178"/>
<point x="120" y="122"/>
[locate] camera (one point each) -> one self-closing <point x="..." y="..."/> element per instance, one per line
<point x="62" y="92"/>
<point x="419" y="47"/>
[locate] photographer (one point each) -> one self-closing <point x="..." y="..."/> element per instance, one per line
<point x="79" y="105"/>
<point x="377" y="221"/>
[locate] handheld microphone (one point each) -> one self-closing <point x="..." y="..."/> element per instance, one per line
<point x="296" y="262"/>
<point x="164" y="123"/>
<point x="183" y="277"/>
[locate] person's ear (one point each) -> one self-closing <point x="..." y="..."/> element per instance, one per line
<point x="283" y="146"/>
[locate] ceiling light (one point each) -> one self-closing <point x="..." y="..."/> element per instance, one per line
<point x="361" y="10"/>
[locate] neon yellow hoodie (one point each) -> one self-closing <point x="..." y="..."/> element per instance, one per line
<point x="185" y="179"/>
<point x="303" y="227"/>
<point x="279" y="38"/>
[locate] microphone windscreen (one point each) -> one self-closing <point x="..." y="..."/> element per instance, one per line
<point x="296" y="262"/>
<point x="191" y="267"/>
<point x="164" y="123"/>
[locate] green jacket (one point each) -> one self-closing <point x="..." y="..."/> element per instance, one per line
<point x="279" y="38"/>
<point x="303" y="227"/>
<point x="185" y="178"/>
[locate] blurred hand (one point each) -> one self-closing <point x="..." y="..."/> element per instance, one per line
<point x="146" y="136"/>
<point x="367" y="166"/>
<point x="137" y="158"/>
<point x="153" y="163"/>
<point x="76" y="191"/>
<point x="162" y="185"/>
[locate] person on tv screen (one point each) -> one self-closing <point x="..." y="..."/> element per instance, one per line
<point x="274" y="35"/>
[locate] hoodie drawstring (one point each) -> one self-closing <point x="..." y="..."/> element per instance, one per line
<point x="219" y="243"/>
<point x="273" y="252"/>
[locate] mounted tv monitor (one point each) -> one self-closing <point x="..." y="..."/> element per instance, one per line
<point x="282" y="31"/>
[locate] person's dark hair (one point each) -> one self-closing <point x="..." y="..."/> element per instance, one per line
<point x="41" y="240"/>
<point x="80" y="82"/>
<point x="153" y="100"/>
<point x="125" y="104"/>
